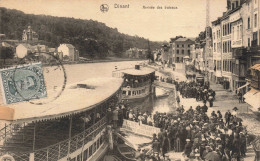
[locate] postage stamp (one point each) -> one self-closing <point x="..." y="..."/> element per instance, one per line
<point x="22" y="83"/>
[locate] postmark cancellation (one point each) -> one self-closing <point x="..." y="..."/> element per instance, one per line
<point x="22" y="83"/>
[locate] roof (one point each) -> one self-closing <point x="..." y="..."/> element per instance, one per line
<point x="40" y="48"/>
<point x="5" y="44"/>
<point x="73" y="100"/>
<point x="256" y="67"/>
<point x="52" y="49"/>
<point x="141" y="71"/>
<point x="69" y="46"/>
<point x="184" y="39"/>
<point x="28" y="46"/>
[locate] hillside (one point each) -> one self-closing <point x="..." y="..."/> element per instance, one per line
<point x="91" y="38"/>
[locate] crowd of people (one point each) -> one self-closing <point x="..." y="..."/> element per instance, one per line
<point x="196" y="90"/>
<point x="193" y="132"/>
<point x="197" y="134"/>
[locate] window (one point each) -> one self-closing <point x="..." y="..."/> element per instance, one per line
<point x="79" y="158"/>
<point x="223" y="30"/>
<point x="248" y="23"/>
<point x="177" y="46"/>
<point x="255" y="20"/>
<point x="177" y="51"/>
<point x="85" y="154"/>
<point x="214" y="35"/>
<point x="182" y="45"/>
<point x="241" y="32"/>
<point x="214" y="47"/>
<point x="90" y="150"/>
<point x="233" y="32"/>
<point x="229" y="28"/>
<point x="230" y="49"/>
<point x="237" y="32"/>
<point x="248" y="42"/>
<point x="227" y="46"/>
<point x="182" y="51"/>
<point x="223" y="47"/>
<point x="188" y="45"/>
<point x="189" y="52"/>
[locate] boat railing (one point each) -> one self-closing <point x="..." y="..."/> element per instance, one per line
<point x="64" y="148"/>
<point x="8" y="130"/>
<point x="136" y="85"/>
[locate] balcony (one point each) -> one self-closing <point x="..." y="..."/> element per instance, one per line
<point x="254" y="43"/>
<point x="239" y="52"/>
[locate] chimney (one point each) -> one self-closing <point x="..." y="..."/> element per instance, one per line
<point x="137" y="67"/>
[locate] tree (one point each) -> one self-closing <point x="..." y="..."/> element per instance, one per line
<point x="6" y="53"/>
<point x="149" y="55"/>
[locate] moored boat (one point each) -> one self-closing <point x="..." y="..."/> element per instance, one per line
<point x="138" y="82"/>
<point x="73" y="127"/>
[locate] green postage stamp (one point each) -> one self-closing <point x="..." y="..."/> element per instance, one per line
<point x="22" y="83"/>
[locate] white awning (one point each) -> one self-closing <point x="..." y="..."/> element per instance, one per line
<point x="252" y="97"/>
<point x="243" y="86"/>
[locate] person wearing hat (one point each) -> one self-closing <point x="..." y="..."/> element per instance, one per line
<point x="234" y="113"/>
<point x="187" y="148"/>
<point x="227" y="117"/>
<point x="109" y="116"/>
<point x="242" y="144"/>
<point x="130" y="115"/>
<point x="115" y="117"/>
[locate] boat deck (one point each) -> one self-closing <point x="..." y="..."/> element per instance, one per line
<point x="73" y="100"/>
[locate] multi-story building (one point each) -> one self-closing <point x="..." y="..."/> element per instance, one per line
<point x="182" y="48"/>
<point x="217" y="48"/>
<point x="240" y="46"/>
<point x="29" y="35"/>
<point x="226" y="51"/>
<point x="237" y="16"/>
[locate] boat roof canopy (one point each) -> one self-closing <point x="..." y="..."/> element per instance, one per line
<point x="138" y="72"/>
<point x="76" y="98"/>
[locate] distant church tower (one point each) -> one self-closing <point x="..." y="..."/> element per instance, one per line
<point x="29" y="35"/>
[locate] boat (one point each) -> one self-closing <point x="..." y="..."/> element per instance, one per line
<point x="124" y="148"/>
<point x="138" y="82"/>
<point x="73" y="127"/>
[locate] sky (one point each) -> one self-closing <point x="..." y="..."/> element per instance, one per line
<point x="154" y="24"/>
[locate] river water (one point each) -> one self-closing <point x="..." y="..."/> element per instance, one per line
<point x="80" y="72"/>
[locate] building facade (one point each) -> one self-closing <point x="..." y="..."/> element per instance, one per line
<point x="69" y="52"/>
<point x="181" y="49"/>
<point x="29" y="35"/>
<point x="217" y="50"/>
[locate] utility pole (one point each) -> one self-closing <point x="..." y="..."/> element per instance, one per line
<point x="207" y="47"/>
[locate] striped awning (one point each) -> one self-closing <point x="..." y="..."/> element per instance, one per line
<point x="252" y="98"/>
<point x="256" y="67"/>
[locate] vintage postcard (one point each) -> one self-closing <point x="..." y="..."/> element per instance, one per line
<point x="129" y="80"/>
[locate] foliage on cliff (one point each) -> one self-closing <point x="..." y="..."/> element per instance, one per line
<point x="91" y="38"/>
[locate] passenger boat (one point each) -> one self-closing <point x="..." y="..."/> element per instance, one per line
<point x="70" y="128"/>
<point x="138" y="82"/>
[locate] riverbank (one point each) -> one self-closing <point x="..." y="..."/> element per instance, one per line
<point x="12" y="62"/>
